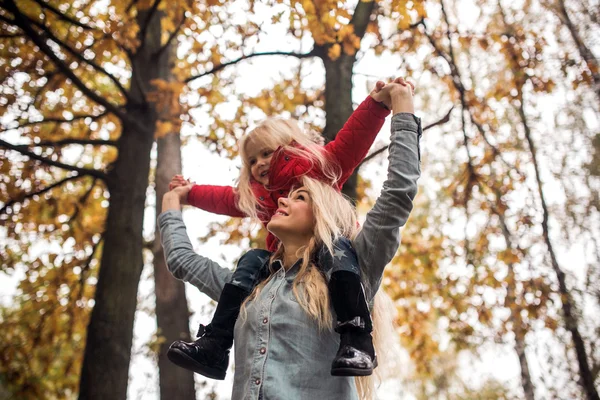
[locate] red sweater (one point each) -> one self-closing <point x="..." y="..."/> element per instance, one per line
<point x="347" y="150"/>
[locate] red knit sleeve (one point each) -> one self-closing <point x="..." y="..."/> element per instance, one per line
<point x="353" y="142"/>
<point x="214" y="199"/>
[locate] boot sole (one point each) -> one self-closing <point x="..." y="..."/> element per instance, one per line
<point x="346" y="371"/>
<point x="351" y="372"/>
<point x="181" y="359"/>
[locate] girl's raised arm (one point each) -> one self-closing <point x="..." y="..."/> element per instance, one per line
<point x="353" y="141"/>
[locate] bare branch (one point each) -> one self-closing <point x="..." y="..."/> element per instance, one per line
<point x="44" y="160"/>
<point x="361" y="17"/>
<point x="56" y="121"/>
<point x="83" y="142"/>
<point x="37" y="193"/>
<point x="171" y="36"/>
<point x="79" y="55"/>
<point x="311" y="53"/>
<point x="441" y="121"/>
<point x="66" y="142"/>
<point x="82" y="201"/>
<point x="24" y="24"/>
<point x="458" y="85"/>
<point x="373" y="155"/>
<point x="62" y="16"/>
<point x="87" y="265"/>
<point x="133" y="2"/>
<point x="144" y="29"/>
<point x="9" y="36"/>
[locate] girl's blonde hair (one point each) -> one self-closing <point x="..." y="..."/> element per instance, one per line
<point x="271" y="134"/>
<point x="334" y="217"/>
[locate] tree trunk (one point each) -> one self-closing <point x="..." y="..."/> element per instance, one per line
<point x="172" y="315"/>
<point x="338" y="86"/>
<point x="105" y="368"/>
<point x="585" y="373"/>
<point x="338" y="105"/>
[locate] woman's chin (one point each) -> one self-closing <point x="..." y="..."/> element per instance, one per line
<point x="274" y="228"/>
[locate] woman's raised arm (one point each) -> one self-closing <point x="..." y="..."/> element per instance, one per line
<point x="379" y="239"/>
<point x="208" y="276"/>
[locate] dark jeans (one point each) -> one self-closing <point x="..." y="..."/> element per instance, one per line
<point x="253" y="267"/>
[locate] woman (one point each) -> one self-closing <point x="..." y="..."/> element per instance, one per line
<point x="284" y="341"/>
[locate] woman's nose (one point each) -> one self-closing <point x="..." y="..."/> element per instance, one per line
<point x="282" y="201"/>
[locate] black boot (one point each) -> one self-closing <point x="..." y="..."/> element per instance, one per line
<point x="356" y="355"/>
<point x="209" y="354"/>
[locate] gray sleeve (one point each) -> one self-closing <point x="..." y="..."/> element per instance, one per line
<point x="184" y="263"/>
<point x="379" y="239"/>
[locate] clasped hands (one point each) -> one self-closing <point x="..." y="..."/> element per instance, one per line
<point x="396" y="95"/>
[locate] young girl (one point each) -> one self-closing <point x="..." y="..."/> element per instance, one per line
<point x="275" y="156"/>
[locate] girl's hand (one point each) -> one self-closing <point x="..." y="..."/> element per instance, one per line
<point x="177" y="181"/>
<point x="378" y="95"/>
<point x="175" y="198"/>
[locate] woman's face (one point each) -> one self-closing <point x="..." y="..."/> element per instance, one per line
<point x="294" y="218"/>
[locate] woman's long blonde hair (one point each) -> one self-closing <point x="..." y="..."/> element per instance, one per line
<point x="334" y="217"/>
<point x="271" y="134"/>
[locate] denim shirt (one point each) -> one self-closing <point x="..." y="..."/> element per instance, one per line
<point x="279" y="351"/>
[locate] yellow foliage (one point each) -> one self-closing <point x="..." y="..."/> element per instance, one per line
<point x="334" y="52"/>
<point x="164" y="128"/>
<point x="144" y="4"/>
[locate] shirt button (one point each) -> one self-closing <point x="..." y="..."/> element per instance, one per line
<point x="257" y="381"/>
<point x="265" y="320"/>
<point x="287" y="158"/>
<point x="263" y="350"/>
<point x="272" y="295"/>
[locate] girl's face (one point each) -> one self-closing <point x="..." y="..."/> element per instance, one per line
<point x="259" y="159"/>
<point x="294" y="217"/>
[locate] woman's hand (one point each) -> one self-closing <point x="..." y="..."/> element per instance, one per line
<point x="174" y="199"/>
<point x="401" y="96"/>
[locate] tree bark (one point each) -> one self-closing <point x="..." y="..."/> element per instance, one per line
<point x="172" y="314"/>
<point x="338" y="106"/>
<point x="105" y="368"/>
<point x="338" y="87"/>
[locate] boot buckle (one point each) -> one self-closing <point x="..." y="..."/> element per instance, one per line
<point x="201" y="331"/>
<point x="350" y="325"/>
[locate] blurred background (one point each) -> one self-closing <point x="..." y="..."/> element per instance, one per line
<point x="497" y="281"/>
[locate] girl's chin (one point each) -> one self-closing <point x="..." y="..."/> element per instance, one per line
<point x="262" y="180"/>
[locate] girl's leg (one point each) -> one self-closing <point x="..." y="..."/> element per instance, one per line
<point x="356" y="355"/>
<point x="209" y="355"/>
